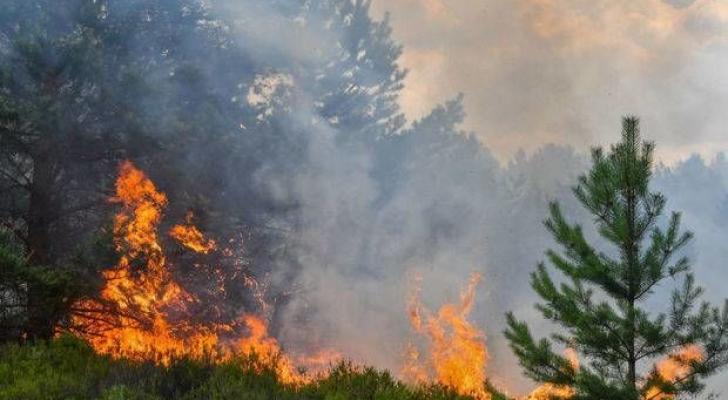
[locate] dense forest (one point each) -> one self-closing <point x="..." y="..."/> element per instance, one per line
<point x="273" y="128"/>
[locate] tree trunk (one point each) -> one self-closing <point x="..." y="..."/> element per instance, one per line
<point x="41" y="214"/>
<point x="632" y="252"/>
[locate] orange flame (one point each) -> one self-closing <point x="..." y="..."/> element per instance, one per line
<point x="457" y="351"/>
<point x="142" y="288"/>
<point x="268" y="353"/>
<point x="675" y="367"/>
<point x="189" y="236"/>
<point x="671" y="369"/>
<point x="549" y="391"/>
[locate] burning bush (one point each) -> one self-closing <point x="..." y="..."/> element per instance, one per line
<point x="142" y="312"/>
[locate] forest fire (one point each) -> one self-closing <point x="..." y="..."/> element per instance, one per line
<point x="290" y="161"/>
<point x="153" y="320"/>
<point x="456" y="349"/>
<point x="142" y="288"/>
<point x="150" y="301"/>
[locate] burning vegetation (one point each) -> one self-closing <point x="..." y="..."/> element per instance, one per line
<point x="152" y="319"/>
<point x="550" y="391"/>
<point x="152" y="322"/>
<point x="189" y="236"/>
<point x="311" y="189"/>
<point x="455" y="353"/>
<point x="144" y="314"/>
<point x="673" y="369"/>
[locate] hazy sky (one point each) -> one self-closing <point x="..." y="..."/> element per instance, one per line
<point x="564" y="71"/>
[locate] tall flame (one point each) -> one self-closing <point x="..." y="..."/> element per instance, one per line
<point x="457" y="351"/>
<point x="140" y="286"/>
<point x="145" y="295"/>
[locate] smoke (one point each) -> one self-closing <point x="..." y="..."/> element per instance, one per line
<point x="698" y="188"/>
<point x="447" y="206"/>
<point x="538" y="72"/>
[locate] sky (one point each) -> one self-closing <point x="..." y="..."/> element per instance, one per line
<point x="565" y="71"/>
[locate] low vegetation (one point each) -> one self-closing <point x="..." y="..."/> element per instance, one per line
<point x="67" y="368"/>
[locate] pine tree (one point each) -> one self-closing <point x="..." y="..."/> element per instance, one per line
<point x="600" y="306"/>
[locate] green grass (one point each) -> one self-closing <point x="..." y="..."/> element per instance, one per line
<point x="67" y="368"/>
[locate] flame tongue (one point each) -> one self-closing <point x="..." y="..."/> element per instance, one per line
<point x="189" y="236"/>
<point x="550" y="391"/>
<point x="268" y="353"/>
<point x="457" y="351"/>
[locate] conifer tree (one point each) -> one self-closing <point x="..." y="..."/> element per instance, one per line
<point x="600" y="308"/>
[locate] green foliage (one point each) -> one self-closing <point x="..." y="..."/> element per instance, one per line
<point x="17" y="278"/>
<point x="64" y="369"/>
<point x="600" y="305"/>
<point x="37" y="298"/>
<point x="67" y="368"/>
<point x="124" y="392"/>
<point x="348" y="382"/>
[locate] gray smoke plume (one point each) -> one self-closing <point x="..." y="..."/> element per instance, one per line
<point x="448" y="207"/>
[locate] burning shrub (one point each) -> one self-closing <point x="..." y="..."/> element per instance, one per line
<point x="144" y="314"/>
<point x="456" y="353"/>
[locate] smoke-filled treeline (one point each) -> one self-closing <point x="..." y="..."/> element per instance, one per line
<point x="276" y="124"/>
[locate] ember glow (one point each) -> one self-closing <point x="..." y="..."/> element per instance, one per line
<point x="142" y="288"/>
<point x="456" y="354"/>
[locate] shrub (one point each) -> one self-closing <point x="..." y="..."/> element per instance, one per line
<point x="68" y="368"/>
<point x="65" y="368"/>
